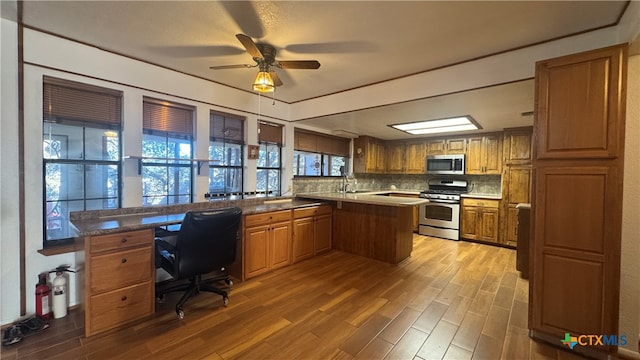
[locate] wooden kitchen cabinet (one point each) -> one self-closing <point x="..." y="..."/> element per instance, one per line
<point x="517" y="146"/>
<point x="369" y="155"/>
<point x="456" y="146"/>
<point x="396" y="154"/>
<point x="484" y="154"/>
<point x="406" y="158"/>
<point x="479" y="219"/>
<point x="267" y="242"/>
<point x="119" y="279"/>
<point x="577" y="196"/>
<point x="436" y="147"/>
<point x="446" y="146"/>
<point x="311" y="231"/>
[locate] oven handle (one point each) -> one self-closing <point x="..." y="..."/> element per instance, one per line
<point x="443" y="202"/>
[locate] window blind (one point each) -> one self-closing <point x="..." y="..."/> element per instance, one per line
<point x="168" y="116"/>
<point x="226" y="127"/>
<point x="269" y="132"/>
<point x="69" y="101"/>
<point x="306" y="140"/>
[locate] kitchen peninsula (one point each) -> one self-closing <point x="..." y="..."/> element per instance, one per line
<point x="371" y="225"/>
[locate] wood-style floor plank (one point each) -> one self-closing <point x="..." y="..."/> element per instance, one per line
<point x="449" y="300"/>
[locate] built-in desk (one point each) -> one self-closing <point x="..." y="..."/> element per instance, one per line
<point x="118" y="256"/>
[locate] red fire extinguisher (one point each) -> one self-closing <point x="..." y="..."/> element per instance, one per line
<point x="43" y="297"/>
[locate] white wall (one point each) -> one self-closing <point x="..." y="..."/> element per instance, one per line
<point x="9" y="219"/>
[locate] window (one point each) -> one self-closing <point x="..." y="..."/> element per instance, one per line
<point x="269" y="167"/>
<point x="81" y="153"/>
<point x="314" y="164"/>
<point x="225" y="152"/>
<point x="167" y="153"/>
<point x="319" y="154"/>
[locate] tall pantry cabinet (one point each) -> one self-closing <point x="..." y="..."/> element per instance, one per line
<point x="577" y="196"/>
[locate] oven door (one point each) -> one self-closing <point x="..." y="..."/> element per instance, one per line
<point x="440" y="214"/>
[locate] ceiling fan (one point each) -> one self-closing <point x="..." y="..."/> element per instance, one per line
<point x="265" y="57"/>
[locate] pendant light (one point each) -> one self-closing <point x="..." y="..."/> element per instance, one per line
<point x="263" y="82"/>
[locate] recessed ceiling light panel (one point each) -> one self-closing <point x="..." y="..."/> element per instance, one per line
<point x="458" y="123"/>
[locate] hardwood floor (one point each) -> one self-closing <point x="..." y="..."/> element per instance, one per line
<point x="450" y="300"/>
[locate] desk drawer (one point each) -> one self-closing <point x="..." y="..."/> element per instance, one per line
<point x="114" y="270"/>
<point x="121" y="240"/>
<point x="267" y="218"/>
<point x="120" y="306"/>
<point x="311" y="211"/>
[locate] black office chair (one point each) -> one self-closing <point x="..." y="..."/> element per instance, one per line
<point x="206" y="243"/>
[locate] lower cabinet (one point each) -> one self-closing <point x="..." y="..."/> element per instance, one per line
<point x="311" y="231"/>
<point x="119" y="279"/>
<point x="479" y="219"/>
<point x="267" y="242"/>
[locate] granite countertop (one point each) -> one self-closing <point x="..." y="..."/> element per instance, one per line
<point x="523" y="206"/>
<point x="368" y="197"/>
<point x="482" y="196"/>
<point x="150" y="218"/>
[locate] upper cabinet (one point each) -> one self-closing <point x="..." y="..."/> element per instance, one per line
<point x="369" y="155"/>
<point x="517" y="147"/>
<point x="484" y="154"/>
<point x="446" y="146"/>
<point x="406" y="158"/>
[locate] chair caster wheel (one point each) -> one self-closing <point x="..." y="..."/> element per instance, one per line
<point x="229" y="282"/>
<point x="225" y="301"/>
<point x="160" y="298"/>
<point x="180" y="313"/>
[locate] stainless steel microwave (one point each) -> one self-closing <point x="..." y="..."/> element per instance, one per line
<point x="445" y="164"/>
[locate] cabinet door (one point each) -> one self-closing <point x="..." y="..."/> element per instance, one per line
<point x="456" y="146"/>
<point x="488" y="225"/>
<point x="512" y="225"/>
<point x="303" y="234"/>
<point x="492" y="154"/>
<point x="436" y="147"/>
<point x="371" y="157"/>
<point x="256" y="250"/>
<point x="517" y="146"/>
<point x="395" y="158"/>
<point x="474" y="160"/>
<point x="518" y="183"/>
<point x="280" y="245"/>
<point x="381" y="166"/>
<point x="468" y="222"/>
<point x="323" y="233"/>
<point x="415" y="156"/>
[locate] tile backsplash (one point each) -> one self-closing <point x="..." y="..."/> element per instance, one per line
<point x="478" y="184"/>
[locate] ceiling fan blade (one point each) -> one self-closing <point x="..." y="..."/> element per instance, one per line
<point x="276" y="79"/>
<point x="251" y="47"/>
<point x="238" y="66"/>
<point x="298" y="64"/>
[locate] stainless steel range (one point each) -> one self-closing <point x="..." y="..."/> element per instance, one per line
<point x="440" y="217"/>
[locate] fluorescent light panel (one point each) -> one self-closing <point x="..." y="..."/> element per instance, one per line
<point x="460" y="123"/>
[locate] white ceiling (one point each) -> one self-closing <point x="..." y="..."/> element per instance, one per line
<point x="358" y="43"/>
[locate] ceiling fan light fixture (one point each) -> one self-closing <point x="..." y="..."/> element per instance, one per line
<point x="263" y="82"/>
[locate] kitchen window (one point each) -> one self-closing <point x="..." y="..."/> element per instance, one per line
<point x="269" y="167"/>
<point x="225" y="153"/>
<point x="317" y="154"/>
<point x="167" y="152"/>
<point x="81" y="152"/>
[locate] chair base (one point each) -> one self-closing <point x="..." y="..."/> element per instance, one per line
<point x="193" y="288"/>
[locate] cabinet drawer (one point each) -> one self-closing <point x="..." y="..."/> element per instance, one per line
<point x="114" y="270"/>
<point x="266" y="218"/>
<point x="481" y="202"/>
<point x="120" y="306"/>
<point x="120" y="240"/>
<point x="311" y="211"/>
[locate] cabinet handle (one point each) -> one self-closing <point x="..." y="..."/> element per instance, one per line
<point x="124" y="240"/>
<point x="124" y="298"/>
<point x="124" y="260"/>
